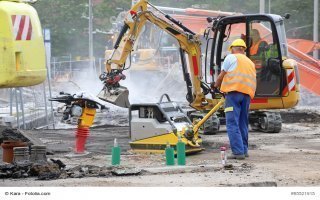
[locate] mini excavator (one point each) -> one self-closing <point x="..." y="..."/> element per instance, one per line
<point x="152" y="126"/>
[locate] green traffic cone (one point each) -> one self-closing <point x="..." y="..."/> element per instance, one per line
<point x="181" y="152"/>
<point x="115" y="153"/>
<point x="169" y="155"/>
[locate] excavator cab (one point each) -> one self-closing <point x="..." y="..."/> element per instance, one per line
<point x="277" y="77"/>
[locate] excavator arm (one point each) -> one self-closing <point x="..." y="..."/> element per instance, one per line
<point x="189" y="43"/>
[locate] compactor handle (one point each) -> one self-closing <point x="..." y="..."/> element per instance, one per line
<point x="164" y="95"/>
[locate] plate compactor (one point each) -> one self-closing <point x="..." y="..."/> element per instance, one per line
<point x="153" y="126"/>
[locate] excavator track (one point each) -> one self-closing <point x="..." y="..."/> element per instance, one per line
<point x="268" y="122"/>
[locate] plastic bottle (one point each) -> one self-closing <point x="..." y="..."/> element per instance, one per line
<point x="223" y="155"/>
<point x="169" y="155"/>
<point x="181" y="152"/>
<point x="116" y="151"/>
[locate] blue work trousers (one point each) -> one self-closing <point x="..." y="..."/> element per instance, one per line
<point x="237" y="120"/>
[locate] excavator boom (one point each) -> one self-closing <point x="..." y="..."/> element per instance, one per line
<point x="135" y="21"/>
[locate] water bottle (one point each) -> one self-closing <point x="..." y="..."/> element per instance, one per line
<point x="223" y="155"/>
<point x="115" y="153"/>
<point x="169" y="155"/>
<point x="181" y="152"/>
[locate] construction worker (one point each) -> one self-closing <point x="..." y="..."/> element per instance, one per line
<point x="258" y="50"/>
<point x="238" y="81"/>
<point x="258" y="44"/>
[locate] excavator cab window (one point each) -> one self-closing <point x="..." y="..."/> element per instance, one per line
<point x="264" y="51"/>
<point x="263" y="48"/>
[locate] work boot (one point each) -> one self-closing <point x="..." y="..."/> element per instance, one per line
<point x="246" y="155"/>
<point x="237" y="157"/>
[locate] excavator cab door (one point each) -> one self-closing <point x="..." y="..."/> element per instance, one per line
<point x="263" y="47"/>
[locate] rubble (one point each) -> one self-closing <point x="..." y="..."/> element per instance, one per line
<point x="59" y="163"/>
<point x="89" y="171"/>
<point x="25" y="169"/>
<point x="56" y="169"/>
<point x="12" y="134"/>
<point x="46" y="171"/>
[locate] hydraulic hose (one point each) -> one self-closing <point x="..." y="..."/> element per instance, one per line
<point x="122" y="32"/>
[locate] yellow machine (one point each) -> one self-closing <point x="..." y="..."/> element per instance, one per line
<point x="79" y="109"/>
<point x="277" y="82"/>
<point x="22" y="53"/>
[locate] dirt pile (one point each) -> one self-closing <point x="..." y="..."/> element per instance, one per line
<point x="27" y="169"/>
<point x="56" y="169"/>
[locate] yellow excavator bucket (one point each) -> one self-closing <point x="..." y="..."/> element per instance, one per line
<point x="22" y="52"/>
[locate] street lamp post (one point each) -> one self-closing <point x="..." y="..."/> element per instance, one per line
<point x="269" y="6"/>
<point x="90" y="37"/>
<point x="262" y="6"/>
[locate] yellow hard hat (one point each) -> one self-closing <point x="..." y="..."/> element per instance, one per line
<point x="238" y="43"/>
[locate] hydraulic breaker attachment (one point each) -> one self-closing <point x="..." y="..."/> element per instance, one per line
<point x="112" y="92"/>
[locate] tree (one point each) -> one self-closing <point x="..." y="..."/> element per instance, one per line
<point x="104" y="13"/>
<point x="68" y="24"/>
<point x="300" y="24"/>
<point x="68" y="19"/>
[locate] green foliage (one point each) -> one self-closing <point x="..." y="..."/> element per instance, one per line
<point x="300" y="24"/>
<point x="68" y="19"/>
<point x="67" y="22"/>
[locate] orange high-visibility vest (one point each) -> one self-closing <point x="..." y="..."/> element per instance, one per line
<point x="242" y="78"/>
<point x="255" y="47"/>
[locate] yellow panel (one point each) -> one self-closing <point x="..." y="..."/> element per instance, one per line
<point x="157" y="144"/>
<point x="22" y="60"/>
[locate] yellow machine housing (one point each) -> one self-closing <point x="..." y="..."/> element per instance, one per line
<point x="22" y="52"/>
<point x="87" y="117"/>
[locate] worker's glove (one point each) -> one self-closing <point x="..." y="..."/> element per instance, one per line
<point x="214" y="90"/>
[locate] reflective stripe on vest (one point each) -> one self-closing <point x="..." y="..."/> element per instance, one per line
<point x="242" y="78"/>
